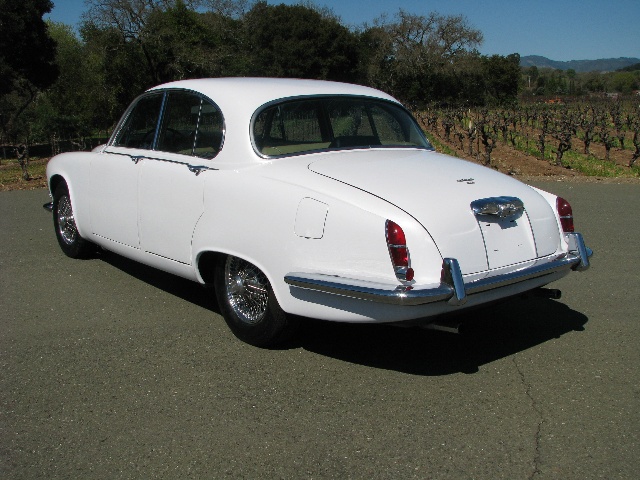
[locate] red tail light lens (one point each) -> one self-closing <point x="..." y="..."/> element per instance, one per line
<point x="398" y="251"/>
<point x="395" y="234"/>
<point x="565" y="213"/>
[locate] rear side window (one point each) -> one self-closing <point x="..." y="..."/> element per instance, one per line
<point x="210" y="133"/>
<point x="179" y="123"/>
<point x="191" y="125"/>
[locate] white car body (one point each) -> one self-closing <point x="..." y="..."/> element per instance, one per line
<point x="314" y="222"/>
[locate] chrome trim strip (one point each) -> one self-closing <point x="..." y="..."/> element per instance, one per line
<point x="452" y="287"/>
<point x="375" y="292"/>
<point x="197" y="169"/>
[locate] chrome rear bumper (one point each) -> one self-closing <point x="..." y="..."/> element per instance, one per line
<point x="452" y="288"/>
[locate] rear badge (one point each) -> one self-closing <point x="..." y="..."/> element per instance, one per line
<point x="469" y="181"/>
<point x="502" y="207"/>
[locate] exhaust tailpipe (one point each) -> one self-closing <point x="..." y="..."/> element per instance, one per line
<point x="552" y="293"/>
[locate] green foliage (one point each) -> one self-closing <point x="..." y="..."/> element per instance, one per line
<point x="186" y="44"/>
<point x="502" y="75"/>
<point x="422" y="59"/>
<point x="631" y="68"/>
<point x="549" y="82"/>
<point x="298" y="41"/>
<point x="26" y="49"/>
<point x="127" y="46"/>
<point x="64" y="109"/>
<point x="26" y="62"/>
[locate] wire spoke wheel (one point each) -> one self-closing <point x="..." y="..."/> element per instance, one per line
<point x="247" y="290"/>
<point x="248" y="304"/>
<point x="66" y="221"/>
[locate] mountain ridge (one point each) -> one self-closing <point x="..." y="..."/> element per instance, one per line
<point x="600" y="65"/>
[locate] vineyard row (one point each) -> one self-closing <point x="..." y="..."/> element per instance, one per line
<point x="545" y="131"/>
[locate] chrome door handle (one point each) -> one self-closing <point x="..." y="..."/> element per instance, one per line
<point x="197" y="169"/>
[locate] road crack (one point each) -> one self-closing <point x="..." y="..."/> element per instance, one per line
<point x="535" y="407"/>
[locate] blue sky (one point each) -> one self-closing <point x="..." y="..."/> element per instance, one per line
<point x="557" y="29"/>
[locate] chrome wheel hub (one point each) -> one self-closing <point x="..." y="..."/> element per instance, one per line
<point x="247" y="290"/>
<point x="66" y="221"/>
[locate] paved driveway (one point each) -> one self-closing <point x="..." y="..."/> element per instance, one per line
<point x="113" y="370"/>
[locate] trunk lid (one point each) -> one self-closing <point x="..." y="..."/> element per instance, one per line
<point x="437" y="190"/>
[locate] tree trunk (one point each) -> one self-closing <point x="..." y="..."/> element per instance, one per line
<point x="22" y="152"/>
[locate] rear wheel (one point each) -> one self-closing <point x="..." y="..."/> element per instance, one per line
<point x="71" y="243"/>
<point x="248" y="305"/>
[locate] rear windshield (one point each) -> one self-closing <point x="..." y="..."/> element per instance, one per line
<point x="328" y="123"/>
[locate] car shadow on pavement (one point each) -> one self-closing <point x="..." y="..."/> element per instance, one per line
<point x="486" y="335"/>
<point x="172" y="284"/>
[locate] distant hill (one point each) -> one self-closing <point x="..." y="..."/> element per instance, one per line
<point x="602" y="65"/>
<point x="631" y="68"/>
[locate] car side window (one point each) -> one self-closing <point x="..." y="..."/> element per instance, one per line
<point x="179" y="124"/>
<point x="210" y="132"/>
<point x="139" y="128"/>
<point x="191" y="125"/>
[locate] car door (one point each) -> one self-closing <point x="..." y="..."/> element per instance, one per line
<point x="115" y="173"/>
<point x="171" y="184"/>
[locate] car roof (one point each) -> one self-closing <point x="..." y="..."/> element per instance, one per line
<point x="251" y="93"/>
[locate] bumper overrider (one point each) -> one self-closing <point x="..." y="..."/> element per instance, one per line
<point x="452" y="288"/>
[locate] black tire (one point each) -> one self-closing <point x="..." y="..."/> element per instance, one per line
<point x="248" y="305"/>
<point x="71" y="243"/>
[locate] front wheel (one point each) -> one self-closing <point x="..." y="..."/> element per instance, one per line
<point x="248" y="305"/>
<point x="71" y="243"/>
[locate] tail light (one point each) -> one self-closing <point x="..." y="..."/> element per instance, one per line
<point x="565" y="213"/>
<point x="398" y="251"/>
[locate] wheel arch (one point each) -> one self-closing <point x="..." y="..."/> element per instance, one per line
<point x="55" y="181"/>
<point x="206" y="263"/>
<point x="207" y="260"/>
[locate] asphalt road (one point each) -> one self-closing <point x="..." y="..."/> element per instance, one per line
<point x="111" y="370"/>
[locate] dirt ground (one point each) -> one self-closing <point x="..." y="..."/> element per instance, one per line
<point x="11" y="178"/>
<point x="513" y="162"/>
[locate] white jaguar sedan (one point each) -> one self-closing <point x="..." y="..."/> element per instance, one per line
<point x="302" y="198"/>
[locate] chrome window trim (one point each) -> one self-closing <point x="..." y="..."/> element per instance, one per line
<point x="164" y="92"/>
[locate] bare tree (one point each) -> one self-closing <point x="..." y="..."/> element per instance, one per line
<point x="633" y="123"/>
<point x="616" y="117"/>
<point x="603" y="133"/>
<point x="448" y="123"/>
<point x="472" y="133"/>
<point x="488" y="134"/>
<point x="414" y="47"/>
<point x="545" y="122"/>
<point x="22" y="154"/>
<point x="563" y="130"/>
<point x="587" y="124"/>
